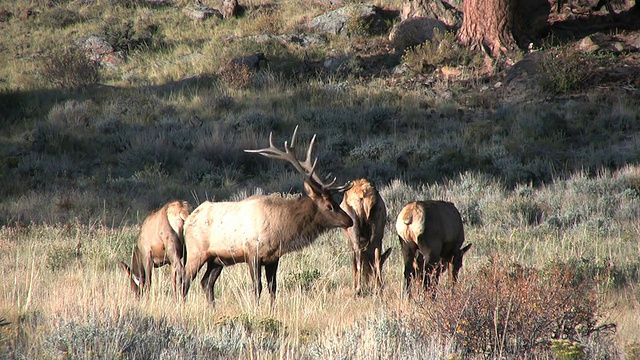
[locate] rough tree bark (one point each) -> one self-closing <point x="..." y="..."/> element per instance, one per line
<point x="494" y="26"/>
<point x="488" y="25"/>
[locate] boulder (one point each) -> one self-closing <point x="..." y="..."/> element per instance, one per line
<point x="348" y="20"/>
<point x="229" y="8"/>
<point x="100" y="50"/>
<point x="251" y="61"/>
<point x="415" y="31"/>
<point x="449" y="12"/>
<point x="201" y="12"/>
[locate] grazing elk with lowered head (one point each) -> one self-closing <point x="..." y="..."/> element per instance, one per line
<point x="369" y="214"/>
<point x="260" y="229"/>
<point x="431" y="236"/>
<point x="160" y="242"/>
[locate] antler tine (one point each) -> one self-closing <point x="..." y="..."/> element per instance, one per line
<point x="305" y="167"/>
<point x="293" y="138"/>
<point x="348" y="185"/>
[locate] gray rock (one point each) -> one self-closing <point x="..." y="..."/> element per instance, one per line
<point x="229" y="8"/>
<point x="100" y="50"/>
<point x="337" y="21"/>
<point x="251" y="61"/>
<point x="415" y="31"/>
<point x="201" y="12"/>
<point x="302" y="40"/>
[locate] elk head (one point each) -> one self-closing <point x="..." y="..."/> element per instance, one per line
<point x="316" y="189"/>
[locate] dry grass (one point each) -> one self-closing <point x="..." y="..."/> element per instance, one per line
<point x="54" y="291"/>
<point x="76" y="169"/>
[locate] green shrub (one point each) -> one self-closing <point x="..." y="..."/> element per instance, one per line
<point x="238" y="76"/>
<point x="376" y="120"/>
<point x="567" y="350"/>
<point x="60" y="257"/>
<point x="127" y="35"/>
<point x="443" y="50"/>
<point x="70" y="69"/>
<point x="305" y="279"/>
<point x="376" y="149"/>
<point x="564" y="70"/>
<point x="59" y="18"/>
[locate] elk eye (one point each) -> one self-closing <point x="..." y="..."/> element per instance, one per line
<point x="330" y="207"/>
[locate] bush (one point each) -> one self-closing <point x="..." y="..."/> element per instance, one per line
<point x="564" y="70"/>
<point x="127" y="36"/>
<point x="512" y="309"/>
<point x="304" y="279"/>
<point x="59" y="18"/>
<point x="443" y="50"/>
<point x="70" y="69"/>
<point x="60" y="257"/>
<point x="237" y="76"/>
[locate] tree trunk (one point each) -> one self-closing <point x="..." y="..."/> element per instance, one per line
<point x="494" y="26"/>
<point x="488" y="25"/>
<point x="500" y="26"/>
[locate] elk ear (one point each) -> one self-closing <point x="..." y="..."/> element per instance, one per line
<point x="311" y="191"/>
<point x="465" y="249"/>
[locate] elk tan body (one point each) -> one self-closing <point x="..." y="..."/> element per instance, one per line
<point x="160" y="242"/>
<point x="431" y="236"/>
<point x="366" y="208"/>
<point x="259" y="229"/>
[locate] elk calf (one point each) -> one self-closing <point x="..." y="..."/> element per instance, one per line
<point x="260" y="229"/>
<point x="431" y="236"/>
<point x="366" y="208"/>
<point x="160" y="242"/>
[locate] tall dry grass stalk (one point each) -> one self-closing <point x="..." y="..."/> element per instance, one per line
<point x="62" y="281"/>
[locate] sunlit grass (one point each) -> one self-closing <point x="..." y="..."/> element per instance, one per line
<point x="43" y="289"/>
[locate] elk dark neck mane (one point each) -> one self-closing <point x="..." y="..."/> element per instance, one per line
<point x="301" y="215"/>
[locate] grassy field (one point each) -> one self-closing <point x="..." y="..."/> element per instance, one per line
<point x="66" y="296"/>
<point x="547" y="178"/>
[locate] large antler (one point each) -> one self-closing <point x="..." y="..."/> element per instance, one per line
<point x="306" y="167"/>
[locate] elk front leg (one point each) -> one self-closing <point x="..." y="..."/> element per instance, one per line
<point x="377" y="272"/>
<point x="357" y="271"/>
<point x="148" y="272"/>
<point x="195" y="260"/>
<point x="271" y="270"/>
<point x="209" y="280"/>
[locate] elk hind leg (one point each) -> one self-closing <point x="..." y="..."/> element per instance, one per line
<point x="255" y="270"/>
<point x="409" y="256"/>
<point x="270" y="271"/>
<point x="177" y="269"/>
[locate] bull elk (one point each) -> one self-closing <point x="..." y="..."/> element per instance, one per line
<point x="260" y="229"/>
<point x="160" y="242"/>
<point x="366" y="208"/>
<point x="431" y="236"/>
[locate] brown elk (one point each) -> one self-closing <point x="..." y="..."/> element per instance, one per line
<point x="160" y="242"/>
<point x="367" y="209"/>
<point x="431" y="236"/>
<point x="260" y="229"/>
